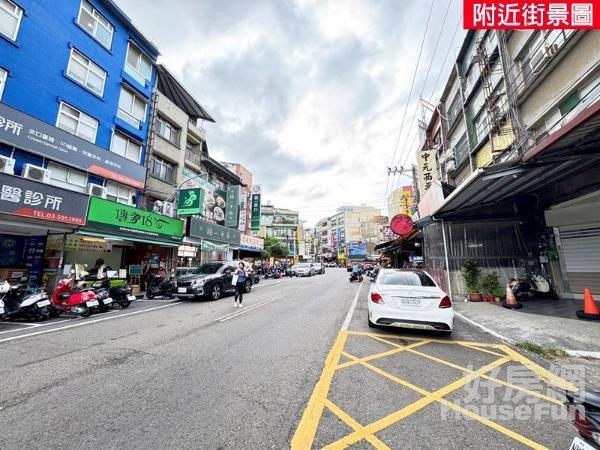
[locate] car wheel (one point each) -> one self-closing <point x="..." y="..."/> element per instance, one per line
<point x="248" y="287"/>
<point x="216" y="291"/>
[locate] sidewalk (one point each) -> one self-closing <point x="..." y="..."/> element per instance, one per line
<point x="577" y="337"/>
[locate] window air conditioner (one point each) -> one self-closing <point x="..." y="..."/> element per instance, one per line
<point x="7" y="165"/>
<point x="168" y="209"/>
<point x="157" y="206"/>
<point x="95" y="190"/>
<point x="542" y="56"/>
<point x="36" y="173"/>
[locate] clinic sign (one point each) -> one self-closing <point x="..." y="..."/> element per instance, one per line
<point x="25" y="132"/>
<point x="27" y="198"/>
<point x="115" y="216"/>
<point x="255" y="217"/>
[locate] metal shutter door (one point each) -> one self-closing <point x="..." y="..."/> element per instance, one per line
<point x="581" y="254"/>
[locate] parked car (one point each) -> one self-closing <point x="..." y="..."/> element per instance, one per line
<point x="319" y="268"/>
<point x="304" y="270"/>
<point x="212" y="279"/>
<point x="330" y="264"/>
<point x="409" y="299"/>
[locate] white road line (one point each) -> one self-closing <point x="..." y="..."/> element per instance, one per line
<point x="346" y="323"/>
<point x="250" y="308"/>
<point x="21" y="323"/>
<point x="87" y="322"/>
<point x="37" y="325"/>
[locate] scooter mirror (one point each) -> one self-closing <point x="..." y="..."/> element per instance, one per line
<point x="72" y="271"/>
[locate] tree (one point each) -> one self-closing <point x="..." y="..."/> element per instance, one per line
<point x="274" y="248"/>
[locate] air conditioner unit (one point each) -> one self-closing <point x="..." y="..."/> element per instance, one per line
<point x="157" y="206"/>
<point x="168" y="209"/>
<point x="95" y="190"/>
<point x="7" y="165"/>
<point x="36" y="173"/>
<point x="542" y="56"/>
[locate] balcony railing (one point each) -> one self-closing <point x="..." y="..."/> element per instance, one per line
<point x="197" y="128"/>
<point x="461" y="150"/>
<point x="192" y="157"/>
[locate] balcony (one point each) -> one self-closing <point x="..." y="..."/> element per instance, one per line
<point x="193" y="157"/>
<point x="461" y="150"/>
<point x="197" y="130"/>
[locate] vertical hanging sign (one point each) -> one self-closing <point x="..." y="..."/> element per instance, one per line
<point x="256" y="193"/>
<point x="231" y="211"/>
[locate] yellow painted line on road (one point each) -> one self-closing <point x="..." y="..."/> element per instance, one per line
<point x="429" y="397"/>
<point x="496" y="426"/>
<point x="481" y="349"/>
<point x="544" y="374"/>
<point x="380" y="355"/>
<point x="435" y="341"/>
<point x="372" y="439"/>
<point x="307" y="428"/>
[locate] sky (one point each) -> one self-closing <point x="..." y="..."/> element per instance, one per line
<point x="312" y="96"/>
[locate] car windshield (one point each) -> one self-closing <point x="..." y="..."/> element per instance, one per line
<point x="406" y="279"/>
<point x="208" y="268"/>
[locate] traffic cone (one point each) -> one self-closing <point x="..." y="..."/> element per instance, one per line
<point x="590" y="309"/>
<point x="511" y="302"/>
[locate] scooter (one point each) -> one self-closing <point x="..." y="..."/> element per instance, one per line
<point x="65" y="299"/>
<point x="356" y="277"/>
<point x="157" y="287"/>
<point x="529" y="285"/>
<point x="17" y="304"/>
<point x="584" y="413"/>
<point x="119" y="290"/>
<point x="272" y="273"/>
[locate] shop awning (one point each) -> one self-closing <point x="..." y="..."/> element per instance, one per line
<point x="490" y="186"/>
<point x="384" y="245"/>
<point x="129" y="238"/>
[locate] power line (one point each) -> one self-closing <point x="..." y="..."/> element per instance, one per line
<point x="446" y="57"/>
<point x="410" y="91"/>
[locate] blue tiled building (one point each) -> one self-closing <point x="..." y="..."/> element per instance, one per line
<point x="80" y="66"/>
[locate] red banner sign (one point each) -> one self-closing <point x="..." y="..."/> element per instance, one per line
<point x="531" y="15"/>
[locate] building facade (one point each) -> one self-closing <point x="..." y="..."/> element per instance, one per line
<point x="283" y="224"/>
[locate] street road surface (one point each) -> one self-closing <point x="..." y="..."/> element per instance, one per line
<point x="171" y="374"/>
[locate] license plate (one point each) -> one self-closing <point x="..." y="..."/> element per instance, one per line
<point x="580" y="444"/>
<point x="131" y="298"/>
<point x="410" y="301"/>
<point x="181" y="290"/>
<point x="92" y="303"/>
<point x="107" y="301"/>
<point x="43" y="303"/>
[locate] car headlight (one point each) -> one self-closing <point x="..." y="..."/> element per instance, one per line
<point x="197" y="283"/>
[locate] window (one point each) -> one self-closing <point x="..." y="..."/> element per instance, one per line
<point x="138" y="65"/>
<point x="126" y="147"/>
<point x="167" y="130"/>
<point x="132" y="109"/>
<point x="87" y="73"/>
<point x="163" y="170"/>
<point x="77" y="123"/>
<point x="3" y="76"/>
<point x="94" y="23"/>
<point x="119" y="193"/>
<point x="571" y="102"/>
<point x="65" y="177"/>
<point x="10" y="19"/>
<point x="406" y="279"/>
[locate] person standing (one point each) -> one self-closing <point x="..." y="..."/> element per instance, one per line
<point x="240" y="285"/>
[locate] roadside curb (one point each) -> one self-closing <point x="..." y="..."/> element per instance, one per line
<point x="576" y="353"/>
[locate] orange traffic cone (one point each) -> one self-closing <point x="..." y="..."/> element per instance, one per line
<point x="511" y="302"/>
<point x="590" y="309"/>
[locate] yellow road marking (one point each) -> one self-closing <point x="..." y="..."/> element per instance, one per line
<point x="398" y="349"/>
<point x="544" y="374"/>
<point x="494" y="425"/>
<point x="429" y="398"/>
<point x="307" y="428"/>
<point x="481" y="349"/>
<point x="373" y="440"/>
<point x="436" y="341"/>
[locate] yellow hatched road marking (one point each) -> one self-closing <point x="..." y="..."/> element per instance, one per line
<point x="398" y="349"/>
<point x="429" y="397"/>
<point x="372" y="439"/>
<point x="305" y="434"/>
<point x="481" y="349"/>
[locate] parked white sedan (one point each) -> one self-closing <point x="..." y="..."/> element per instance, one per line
<point x="409" y="299"/>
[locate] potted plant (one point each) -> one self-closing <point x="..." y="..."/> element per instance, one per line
<point x="492" y="287"/>
<point x="470" y="270"/>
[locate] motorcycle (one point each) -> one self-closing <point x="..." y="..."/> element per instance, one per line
<point x="529" y="285"/>
<point x="157" y="287"/>
<point x="273" y="273"/>
<point x="118" y="290"/>
<point x="356" y="277"/>
<point x="66" y="299"/>
<point x="584" y="413"/>
<point x="15" y="303"/>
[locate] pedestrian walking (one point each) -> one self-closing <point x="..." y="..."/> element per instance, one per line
<point x="240" y="276"/>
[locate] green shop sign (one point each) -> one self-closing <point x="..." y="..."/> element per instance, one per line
<point x="231" y="211"/>
<point x="133" y="221"/>
<point x="190" y="201"/>
<point x="200" y="229"/>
